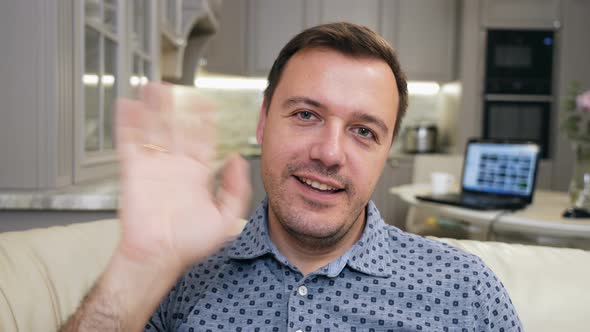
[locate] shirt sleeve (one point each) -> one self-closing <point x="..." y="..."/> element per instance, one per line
<point x="171" y="310"/>
<point x="159" y="321"/>
<point x="493" y="308"/>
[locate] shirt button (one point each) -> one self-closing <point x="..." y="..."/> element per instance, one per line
<point x="302" y="290"/>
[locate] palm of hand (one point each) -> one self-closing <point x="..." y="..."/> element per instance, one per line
<point x="168" y="211"/>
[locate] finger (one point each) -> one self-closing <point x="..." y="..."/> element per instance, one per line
<point x="128" y="125"/>
<point x="158" y="130"/>
<point x="235" y="192"/>
<point x="157" y="96"/>
<point x="197" y="141"/>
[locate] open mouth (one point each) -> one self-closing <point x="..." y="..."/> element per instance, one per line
<point x="318" y="186"/>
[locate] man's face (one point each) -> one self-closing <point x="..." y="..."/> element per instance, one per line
<point x="325" y="140"/>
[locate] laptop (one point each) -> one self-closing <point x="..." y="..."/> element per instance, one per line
<point x="497" y="175"/>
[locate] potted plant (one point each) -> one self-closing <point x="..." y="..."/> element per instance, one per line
<point x="575" y="124"/>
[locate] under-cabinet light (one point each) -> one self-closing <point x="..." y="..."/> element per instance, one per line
<point x="231" y="83"/>
<point x="423" y="88"/>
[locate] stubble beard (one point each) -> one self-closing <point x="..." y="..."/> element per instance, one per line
<point x="295" y="222"/>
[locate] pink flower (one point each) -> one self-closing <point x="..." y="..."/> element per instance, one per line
<point x="583" y="102"/>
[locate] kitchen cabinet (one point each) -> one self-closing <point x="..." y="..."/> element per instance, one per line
<point x="360" y="12"/>
<point x="397" y="171"/>
<point x="521" y="14"/>
<point x="253" y="32"/>
<point x="226" y="50"/>
<point x="424" y="36"/>
<point x="65" y="70"/>
<point x="271" y="24"/>
<point x="185" y="28"/>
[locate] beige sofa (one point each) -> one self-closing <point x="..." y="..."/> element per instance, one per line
<point x="44" y="274"/>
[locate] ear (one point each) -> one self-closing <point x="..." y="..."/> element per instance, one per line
<point x="261" y="122"/>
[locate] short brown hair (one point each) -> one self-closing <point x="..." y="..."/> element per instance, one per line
<point x="349" y="39"/>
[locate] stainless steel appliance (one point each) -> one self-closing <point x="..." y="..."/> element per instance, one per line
<point x="519" y="118"/>
<point x="420" y="138"/>
<point x="518" y="95"/>
<point x="519" y="61"/>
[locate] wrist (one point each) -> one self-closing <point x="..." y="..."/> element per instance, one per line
<point x="135" y="286"/>
<point x="157" y="260"/>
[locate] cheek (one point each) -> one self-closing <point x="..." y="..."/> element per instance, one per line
<point x="287" y="144"/>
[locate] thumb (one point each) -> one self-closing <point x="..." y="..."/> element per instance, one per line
<point x="234" y="195"/>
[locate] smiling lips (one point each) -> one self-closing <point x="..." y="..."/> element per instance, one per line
<point x="319" y="185"/>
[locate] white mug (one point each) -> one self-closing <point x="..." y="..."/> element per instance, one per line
<point x="441" y="182"/>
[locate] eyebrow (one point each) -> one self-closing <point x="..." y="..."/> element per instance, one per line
<point x="302" y="100"/>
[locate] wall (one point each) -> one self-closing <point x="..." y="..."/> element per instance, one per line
<point x="573" y="64"/>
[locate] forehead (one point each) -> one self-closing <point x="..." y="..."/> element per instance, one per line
<point x="340" y="82"/>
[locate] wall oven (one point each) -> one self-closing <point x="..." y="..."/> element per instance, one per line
<point x="518" y="85"/>
<point x="526" y="119"/>
<point x="519" y="61"/>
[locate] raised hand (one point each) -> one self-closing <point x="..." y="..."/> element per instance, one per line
<point x="168" y="210"/>
<point x="169" y="216"/>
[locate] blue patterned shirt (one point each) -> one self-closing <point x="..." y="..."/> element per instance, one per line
<point x="388" y="281"/>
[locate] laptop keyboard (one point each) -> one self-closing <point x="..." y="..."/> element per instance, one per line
<point x="488" y="200"/>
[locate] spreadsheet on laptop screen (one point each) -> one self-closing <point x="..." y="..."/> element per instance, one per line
<point x="500" y="168"/>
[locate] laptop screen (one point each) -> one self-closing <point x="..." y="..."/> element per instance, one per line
<point x="500" y="168"/>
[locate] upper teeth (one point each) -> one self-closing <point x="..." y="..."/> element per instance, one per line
<point x="317" y="185"/>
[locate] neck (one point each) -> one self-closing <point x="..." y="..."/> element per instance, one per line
<point x="308" y="257"/>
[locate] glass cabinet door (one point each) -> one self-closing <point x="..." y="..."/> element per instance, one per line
<point x="102" y="39"/>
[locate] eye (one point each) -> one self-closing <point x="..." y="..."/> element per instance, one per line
<point x="364" y="132"/>
<point x="305" y="115"/>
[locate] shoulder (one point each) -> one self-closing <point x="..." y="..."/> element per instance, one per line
<point x="416" y="246"/>
<point x="214" y="267"/>
<point x="416" y="254"/>
<point x="454" y="273"/>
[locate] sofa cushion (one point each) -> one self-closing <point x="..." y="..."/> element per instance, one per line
<point x="549" y="287"/>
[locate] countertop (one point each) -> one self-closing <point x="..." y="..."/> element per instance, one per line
<point x="100" y="195"/>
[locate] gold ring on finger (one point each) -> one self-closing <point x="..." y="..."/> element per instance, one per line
<point x="155" y="147"/>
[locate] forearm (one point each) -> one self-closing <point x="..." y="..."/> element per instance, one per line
<point x="124" y="297"/>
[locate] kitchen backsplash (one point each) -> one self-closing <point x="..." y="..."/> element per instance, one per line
<point x="237" y="116"/>
<point x="238" y="112"/>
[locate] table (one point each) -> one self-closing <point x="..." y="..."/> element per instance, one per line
<point x="541" y="218"/>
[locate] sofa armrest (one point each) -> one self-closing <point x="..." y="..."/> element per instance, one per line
<point x="44" y="273"/>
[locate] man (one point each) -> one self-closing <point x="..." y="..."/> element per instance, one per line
<point x="316" y="255"/>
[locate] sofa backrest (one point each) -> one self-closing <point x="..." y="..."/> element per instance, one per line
<point x="45" y="273"/>
<point x="549" y="287"/>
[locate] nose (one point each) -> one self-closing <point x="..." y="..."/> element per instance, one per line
<point x="328" y="147"/>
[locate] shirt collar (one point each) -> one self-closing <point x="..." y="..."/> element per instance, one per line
<point x="369" y="255"/>
<point x="254" y="240"/>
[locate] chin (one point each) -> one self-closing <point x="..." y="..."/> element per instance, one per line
<point x="318" y="227"/>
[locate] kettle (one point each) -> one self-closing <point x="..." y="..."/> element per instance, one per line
<point x="420" y="138"/>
